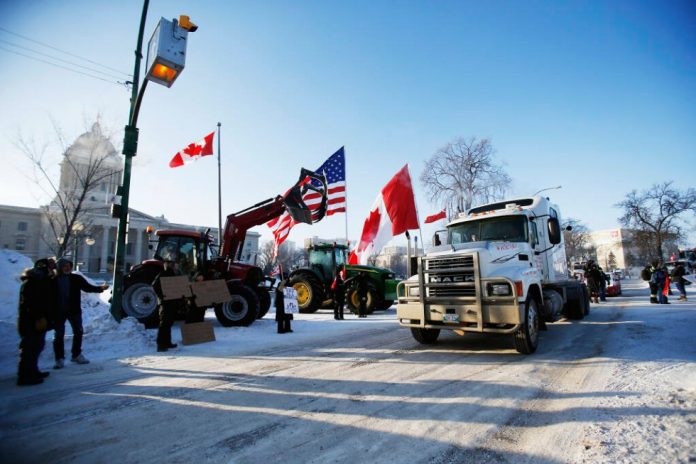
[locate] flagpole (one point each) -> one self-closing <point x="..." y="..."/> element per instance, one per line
<point x="219" y="192"/>
<point x="345" y="166"/>
<point x="415" y="203"/>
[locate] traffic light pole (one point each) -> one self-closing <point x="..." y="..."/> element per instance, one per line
<point x="130" y="148"/>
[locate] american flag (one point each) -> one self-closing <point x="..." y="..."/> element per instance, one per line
<point x="334" y="169"/>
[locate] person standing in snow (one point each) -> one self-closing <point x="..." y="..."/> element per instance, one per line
<point x="662" y="281"/>
<point x="283" y="319"/>
<point x="594" y="278"/>
<point x="69" y="308"/>
<point x="36" y="307"/>
<point x="167" y="308"/>
<point x="339" y="289"/>
<point x="678" y="277"/>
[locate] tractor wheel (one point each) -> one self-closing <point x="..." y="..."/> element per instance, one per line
<point x="309" y="292"/>
<point x="264" y="301"/>
<point x="425" y="336"/>
<point x="140" y="301"/>
<point x="241" y="310"/>
<point x="527" y="337"/>
<point x="353" y="301"/>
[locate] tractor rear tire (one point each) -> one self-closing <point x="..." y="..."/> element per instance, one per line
<point x="264" y="301"/>
<point x="353" y="301"/>
<point x="140" y="302"/>
<point x="425" y="336"/>
<point x="310" y="294"/>
<point x="241" y="310"/>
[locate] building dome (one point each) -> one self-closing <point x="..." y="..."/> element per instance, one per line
<point x="91" y="145"/>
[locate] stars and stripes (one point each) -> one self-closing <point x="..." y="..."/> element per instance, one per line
<point x="334" y="169"/>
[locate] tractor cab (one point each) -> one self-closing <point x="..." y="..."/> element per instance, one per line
<point x="190" y="249"/>
<point x="325" y="259"/>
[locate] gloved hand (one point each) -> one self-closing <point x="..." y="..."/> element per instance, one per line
<point x="104" y="287"/>
<point x="41" y="324"/>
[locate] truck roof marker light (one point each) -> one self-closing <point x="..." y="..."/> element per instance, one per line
<point x="519" y="288"/>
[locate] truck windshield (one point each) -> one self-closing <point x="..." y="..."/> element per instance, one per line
<point x="501" y="229"/>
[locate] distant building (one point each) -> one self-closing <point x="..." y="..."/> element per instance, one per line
<point x="614" y="243"/>
<point x="25" y="229"/>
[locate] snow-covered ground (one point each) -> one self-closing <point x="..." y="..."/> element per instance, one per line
<point x="619" y="386"/>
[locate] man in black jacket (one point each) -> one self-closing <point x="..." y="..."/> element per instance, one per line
<point x="168" y="309"/>
<point x="69" y="308"/>
<point x="37" y="298"/>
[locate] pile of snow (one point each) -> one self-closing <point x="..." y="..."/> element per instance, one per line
<point x="104" y="338"/>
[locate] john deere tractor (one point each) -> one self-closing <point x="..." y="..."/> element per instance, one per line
<point x="313" y="283"/>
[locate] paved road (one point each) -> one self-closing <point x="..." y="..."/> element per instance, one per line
<point x="372" y="395"/>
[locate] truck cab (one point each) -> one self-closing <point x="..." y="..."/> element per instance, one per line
<point x="501" y="269"/>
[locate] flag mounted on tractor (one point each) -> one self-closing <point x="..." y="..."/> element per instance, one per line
<point x="392" y="213"/>
<point x="193" y="151"/>
<point x="334" y="169"/>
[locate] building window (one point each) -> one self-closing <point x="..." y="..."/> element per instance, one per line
<point x="22" y="227"/>
<point x="20" y="244"/>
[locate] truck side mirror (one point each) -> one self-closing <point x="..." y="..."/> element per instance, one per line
<point x="554" y="231"/>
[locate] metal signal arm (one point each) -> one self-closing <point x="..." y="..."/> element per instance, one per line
<point x="237" y="224"/>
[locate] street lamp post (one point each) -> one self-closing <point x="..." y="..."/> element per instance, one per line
<point x="547" y="188"/>
<point x="166" y="57"/>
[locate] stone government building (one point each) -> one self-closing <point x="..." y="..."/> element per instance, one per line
<point x="24" y="229"/>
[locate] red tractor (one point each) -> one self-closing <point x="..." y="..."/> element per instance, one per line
<point x="197" y="256"/>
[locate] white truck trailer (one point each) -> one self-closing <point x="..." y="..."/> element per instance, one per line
<point x="501" y="269"/>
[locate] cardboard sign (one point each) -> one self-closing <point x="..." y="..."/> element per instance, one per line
<point x="290" y="300"/>
<point x="175" y="288"/>
<point x="209" y="292"/>
<point x="198" y="332"/>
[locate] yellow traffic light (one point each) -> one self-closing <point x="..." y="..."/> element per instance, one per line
<point x="185" y="22"/>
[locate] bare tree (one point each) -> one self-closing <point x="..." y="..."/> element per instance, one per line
<point x="68" y="204"/>
<point x="462" y="173"/>
<point x="266" y="257"/>
<point x="577" y="239"/>
<point x="288" y="258"/>
<point x="658" y="212"/>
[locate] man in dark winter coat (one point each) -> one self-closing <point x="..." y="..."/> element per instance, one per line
<point x="283" y="319"/>
<point x="167" y="308"/>
<point x="362" y="288"/>
<point x="339" y="294"/>
<point x="678" y="276"/>
<point x="69" y="308"/>
<point x="37" y="299"/>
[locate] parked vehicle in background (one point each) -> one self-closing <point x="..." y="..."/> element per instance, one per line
<point x="613" y="284"/>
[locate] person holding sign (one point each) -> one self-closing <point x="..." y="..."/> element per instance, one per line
<point x="285" y="306"/>
<point x="167" y="307"/>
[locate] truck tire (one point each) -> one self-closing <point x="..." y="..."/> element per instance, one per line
<point x="384" y="305"/>
<point x="574" y="307"/>
<point x="264" y="297"/>
<point x="353" y="302"/>
<point x="140" y="302"/>
<point x="527" y="337"/>
<point x="241" y="310"/>
<point x="425" y="336"/>
<point x="586" y="300"/>
<point x="309" y="292"/>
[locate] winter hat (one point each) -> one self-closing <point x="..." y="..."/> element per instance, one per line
<point x="62" y="262"/>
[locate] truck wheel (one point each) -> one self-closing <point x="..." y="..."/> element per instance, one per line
<point x="586" y="300"/>
<point x="241" y="310"/>
<point x="264" y="297"/>
<point x="309" y="292"/>
<point x="384" y="305"/>
<point x="574" y="307"/>
<point x="140" y="301"/>
<point x="527" y="337"/>
<point x="353" y="301"/>
<point x="425" y="336"/>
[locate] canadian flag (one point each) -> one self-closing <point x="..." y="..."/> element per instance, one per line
<point x="435" y="217"/>
<point x="392" y="213"/>
<point x="195" y="150"/>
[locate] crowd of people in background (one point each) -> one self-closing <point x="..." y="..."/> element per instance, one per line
<point x="659" y="279"/>
<point x="50" y="296"/>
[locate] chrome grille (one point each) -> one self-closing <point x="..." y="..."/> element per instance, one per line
<point x="451" y="276"/>
<point x="447" y="263"/>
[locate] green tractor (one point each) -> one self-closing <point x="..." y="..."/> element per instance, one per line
<point x="313" y="284"/>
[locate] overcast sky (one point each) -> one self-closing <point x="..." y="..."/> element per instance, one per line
<point x="599" y="97"/>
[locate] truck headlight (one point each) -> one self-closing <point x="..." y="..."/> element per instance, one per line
<point x="499" y="289"/>
<point x="414" y="291"/>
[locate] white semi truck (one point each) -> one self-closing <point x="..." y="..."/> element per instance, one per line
<point x="501" y="269"/>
